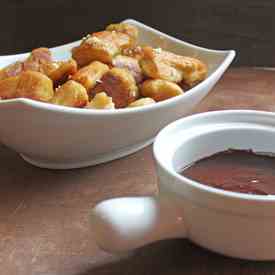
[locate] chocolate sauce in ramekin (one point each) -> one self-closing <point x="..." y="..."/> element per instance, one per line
<point x="241" y="171"/>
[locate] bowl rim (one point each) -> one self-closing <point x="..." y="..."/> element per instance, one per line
<point x="228" y="57"/>
<point x="195" y="184"/>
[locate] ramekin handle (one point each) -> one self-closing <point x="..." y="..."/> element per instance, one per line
<point x="123" y="224"/>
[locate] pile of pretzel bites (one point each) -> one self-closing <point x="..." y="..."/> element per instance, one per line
<point x="108" y="70"/>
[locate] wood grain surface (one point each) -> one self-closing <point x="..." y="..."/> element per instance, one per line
<point x="44" y="227"/>
<point x="247" y="25"/>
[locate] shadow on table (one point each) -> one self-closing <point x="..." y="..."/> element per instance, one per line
<point x="179" y="257"/>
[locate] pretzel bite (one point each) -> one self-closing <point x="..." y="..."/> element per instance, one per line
<point x="157" y="63"/>
<point x="160" y="89"/>
<point x="92" y="49"/>
<point x="197" y="75"/>
<point x="41" y="55"/>
<point x="11" y="70"/>
<point x="62" y="71"/>
<point x="135" y="52"/>
<point x="119" y="39"/>
<point x="8" y="87"/>
<point x="101" y="101"/>
<point x="130" y="64"/>
<point x="125" y="28"/>
<point x="154" y="66"/>
<point x="40" y="60"/>
<point x="101" y="46"/>
<point x="28" y="84"/>
<point x="142" y="102"/>
<point x="120" y="85"/>
<point x="89" y="75"/>
<point x="71" y="94"/>
<point x="34" y="85"/>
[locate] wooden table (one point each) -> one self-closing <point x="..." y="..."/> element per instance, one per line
<point x="44" y="227"/>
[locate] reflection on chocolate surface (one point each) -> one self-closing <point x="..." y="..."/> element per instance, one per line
<point x="240" y="171"/>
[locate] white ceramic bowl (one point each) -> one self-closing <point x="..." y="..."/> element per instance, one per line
<point x="62" y="137"/>
<point x="234" y="224"/>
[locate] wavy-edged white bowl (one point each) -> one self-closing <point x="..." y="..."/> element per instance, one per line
<point x="58" y="137"/>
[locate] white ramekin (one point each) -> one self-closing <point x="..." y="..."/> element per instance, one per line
<point x="234" y="224"/>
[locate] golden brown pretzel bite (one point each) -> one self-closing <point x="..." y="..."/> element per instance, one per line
<point x="13" y="69"/>
<point x="197" y="75"/>
<point x="41" y="55"/>
<point x="160" y="89"/>
<point x="153" y="66"/>
<point x="131" y="64"/>
<point x="71" y="94"/>
<point x="28" y="84"/>
<point x="135" y="52"/>
<point x="40" y="60"/>
<point x="63" y="70"/>
<point x="128" y="29"/>
<point x="101" y="46"/>
<point x="8" y="87"/>
<point x="101" y="101"/>
<point x="120" y="85"/>
<point x="34" y="85"/>
<point x="157" y="63"/>
<point x="89" y="75"/>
